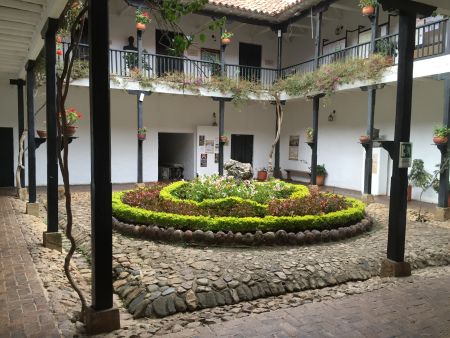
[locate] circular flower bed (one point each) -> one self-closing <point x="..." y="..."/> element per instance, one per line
<point x="222" y="210"/>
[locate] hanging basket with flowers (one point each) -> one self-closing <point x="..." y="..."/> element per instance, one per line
<point x="142" y="133"/>
<point x="142" y="18"/>
<point x="368" y="7"/>
<point x="72" y="118"/>
<point x="226" y="38"/>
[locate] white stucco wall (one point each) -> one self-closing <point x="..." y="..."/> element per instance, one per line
<point x="338" y="146"/>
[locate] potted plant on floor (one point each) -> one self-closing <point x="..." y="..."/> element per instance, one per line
<point x="368" y="7"/>
<point x="309" y="135"/>
<point x="388" y="49"/>
<point x="72" y="118"/>
<point x="418" y="177"/>
<point x="142" y="18"/>
<point x="225" y="39"/>
<point x="262" y="175"/>
<point x="321" y="174"/>
<point x="440" y="134"/>
<point x="142" y="133"/>
<point x="42" y="133"/>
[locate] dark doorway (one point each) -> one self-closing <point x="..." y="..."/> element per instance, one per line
<point x="6" y="157"/>
<point x="242" y="148"/>
<point x="176" y="156"/>
<point x="166" y="63"/>
<point x="250" y="61"/>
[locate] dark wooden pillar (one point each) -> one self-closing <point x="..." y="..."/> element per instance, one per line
<point x="316" y="99"/>
<point x="444" y="174"/>
<point x="407" y="10"/>
<point x="221" y="132"/>
<point x="140" y="118"/>
<point x="31" y="132"/>
<point x="49" y="35"/>
<point x="276" y="168"/>
<point x="101" y="316"/>
<point x="21" y="120"/>
<point x="370" y="113"/>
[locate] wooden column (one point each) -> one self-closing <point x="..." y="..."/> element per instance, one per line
<point x="140" y="118"/>
<point x="370" y="112"/>
<point x="101" y="316"/>
<point x="31" y="132"/>
<point x="394" y="265"/>
<point x="53" y="144"/>
<point x="276" y="168"/>
<point x="316" y="99"/>
<point x="444" y="175"/>
<point x="221" y="132"/>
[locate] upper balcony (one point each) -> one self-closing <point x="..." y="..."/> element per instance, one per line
<point x="431" y="40"/>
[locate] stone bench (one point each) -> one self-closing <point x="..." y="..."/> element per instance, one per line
<point x="298" y="173"/>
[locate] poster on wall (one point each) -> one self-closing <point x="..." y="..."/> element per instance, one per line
<point x="209" y="146"/>
<point x="203" y="160"/>
<point x="405" y="159"/>
<point x="293" y="147"/>
<point x="201" y="140"/>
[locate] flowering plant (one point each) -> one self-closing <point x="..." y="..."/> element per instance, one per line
<point x="227" y="35"/>
<point x="142" y="130"/>
<point x="142" y="17"/>
<point x="72" y="116"/>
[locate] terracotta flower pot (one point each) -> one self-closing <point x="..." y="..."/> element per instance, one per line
<point x="141" y="137"/>
<point x="223" y="139"/>
<point x="309" y="139"/>
<point x="368" y="10"/>
<point x="440" y="140"/>
<point x="409" y="193"/>
<point x="58" y="39"/>
<point x="42" y="133"/>
<point x="390" y="60"/>
<point x="320" y="180"/>
<point x="364" y="139"/>
<point x="226" y="41"/>
<point x="261" y="176"/>
<point x="140" y="26"/>
<point x="69" y="131"/>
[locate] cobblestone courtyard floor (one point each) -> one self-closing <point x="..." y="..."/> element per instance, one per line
<point x="162" y="268"/>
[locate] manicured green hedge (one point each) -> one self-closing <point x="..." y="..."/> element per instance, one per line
<point x="331" y="220"/>
<point x="166" y="193"/>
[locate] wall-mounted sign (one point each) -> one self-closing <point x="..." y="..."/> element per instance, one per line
<point x="203" y="160"/>
<point x="293" y="147"/>
<point x="405" y="159"/>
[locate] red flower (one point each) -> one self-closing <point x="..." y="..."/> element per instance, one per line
<point x="59" y="52"/>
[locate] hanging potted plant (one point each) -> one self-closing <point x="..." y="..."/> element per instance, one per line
<point x="142" y="18"/>
<point x="388" y="49"/>
<point x="142" y="133"/>
<point x="262" y="175"/>
<point x="418" y="177"/>
<point x="226" y="38"/>
<point x="72" y="118"/>
<point x="321" y="174"/>
<point x="309" y="135"/>
<point x="42" y="133"/>
<point x="223" y="139"/>
<point x="440" y="134"/>
<point x="368" y="7"/>
<point x="364" y="139"/>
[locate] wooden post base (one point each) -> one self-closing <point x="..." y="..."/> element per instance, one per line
<point x="33" y="209"/>
<point x="368" y="199"/>
<point x="139" y="185"/>
<point x="391" y="268"/>
<point x="22" y="193"/>
<point x="101" y="321"/>
<point x="442" y="214"/>
<point x="52" y="240"/>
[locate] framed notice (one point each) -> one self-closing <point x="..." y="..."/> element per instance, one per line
<point x="201" y="140"/>
<point x="209" y="146"/>
<point x="405" y="160"/>
<point x="203" y="160"/>
<point x="293" y="147"/>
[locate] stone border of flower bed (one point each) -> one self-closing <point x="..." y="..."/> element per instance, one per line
<point x="281" y="237"/>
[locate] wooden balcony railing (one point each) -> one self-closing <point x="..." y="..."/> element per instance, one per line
<point x="430" y="41"/>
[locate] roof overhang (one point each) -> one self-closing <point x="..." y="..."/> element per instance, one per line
<point x="21" y="22"/>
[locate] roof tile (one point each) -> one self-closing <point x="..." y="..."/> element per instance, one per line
<point x="267" y="7"/>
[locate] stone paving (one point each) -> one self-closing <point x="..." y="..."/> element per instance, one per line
<point x="427" y="245"/>
<point x="157" y="279"/>
<point x="24" y="309"/>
